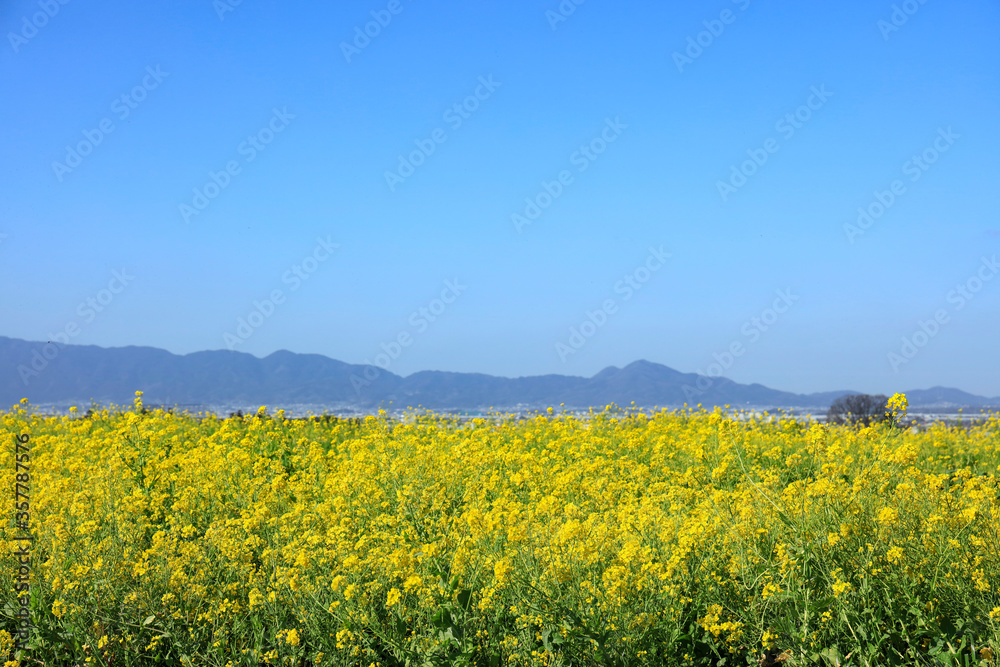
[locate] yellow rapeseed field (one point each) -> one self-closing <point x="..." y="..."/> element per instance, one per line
<point x="619" y="538"/>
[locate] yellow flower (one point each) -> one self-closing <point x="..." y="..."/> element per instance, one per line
<point x="897" y="405"/>
<point x="500" y="571"/>
<point x="343" y="636"/>
<point x="412" y="583"/>
<point x="888" y="516"/>
<point x="770" y="590"/>
<point x="255" y="599"/>
<point x="334" y="522"/>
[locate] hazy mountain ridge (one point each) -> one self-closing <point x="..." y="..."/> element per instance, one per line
<point x="81" y="373"/>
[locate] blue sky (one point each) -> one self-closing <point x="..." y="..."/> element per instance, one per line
<point x="620" y="100"/>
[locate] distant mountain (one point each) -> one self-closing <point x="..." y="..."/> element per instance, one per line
<point x="945" y="397"/>
<point x="50" y="373"/>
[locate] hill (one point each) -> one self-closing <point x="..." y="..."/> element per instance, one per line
<point x="50" y="373"/>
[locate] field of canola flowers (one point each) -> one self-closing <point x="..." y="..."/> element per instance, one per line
<point x="621" y="538"/>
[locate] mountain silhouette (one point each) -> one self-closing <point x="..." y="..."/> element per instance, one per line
<point x="53" y="373"/>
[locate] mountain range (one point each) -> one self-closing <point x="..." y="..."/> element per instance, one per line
<point x="61" y="374"/>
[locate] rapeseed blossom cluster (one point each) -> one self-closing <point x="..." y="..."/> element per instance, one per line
<point x="620" y="537"/>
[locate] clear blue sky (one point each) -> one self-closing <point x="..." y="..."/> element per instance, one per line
<point x="660" y="133"/>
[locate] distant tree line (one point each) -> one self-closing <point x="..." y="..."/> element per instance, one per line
<point x="863" y="409"/>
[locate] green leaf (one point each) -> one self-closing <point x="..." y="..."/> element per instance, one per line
<point x="831" y="656"/>
<point x="442" y="619"/>
<point x="149" y="619"/>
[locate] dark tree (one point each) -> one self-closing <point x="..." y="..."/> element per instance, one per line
<point x="861" y="409"/>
